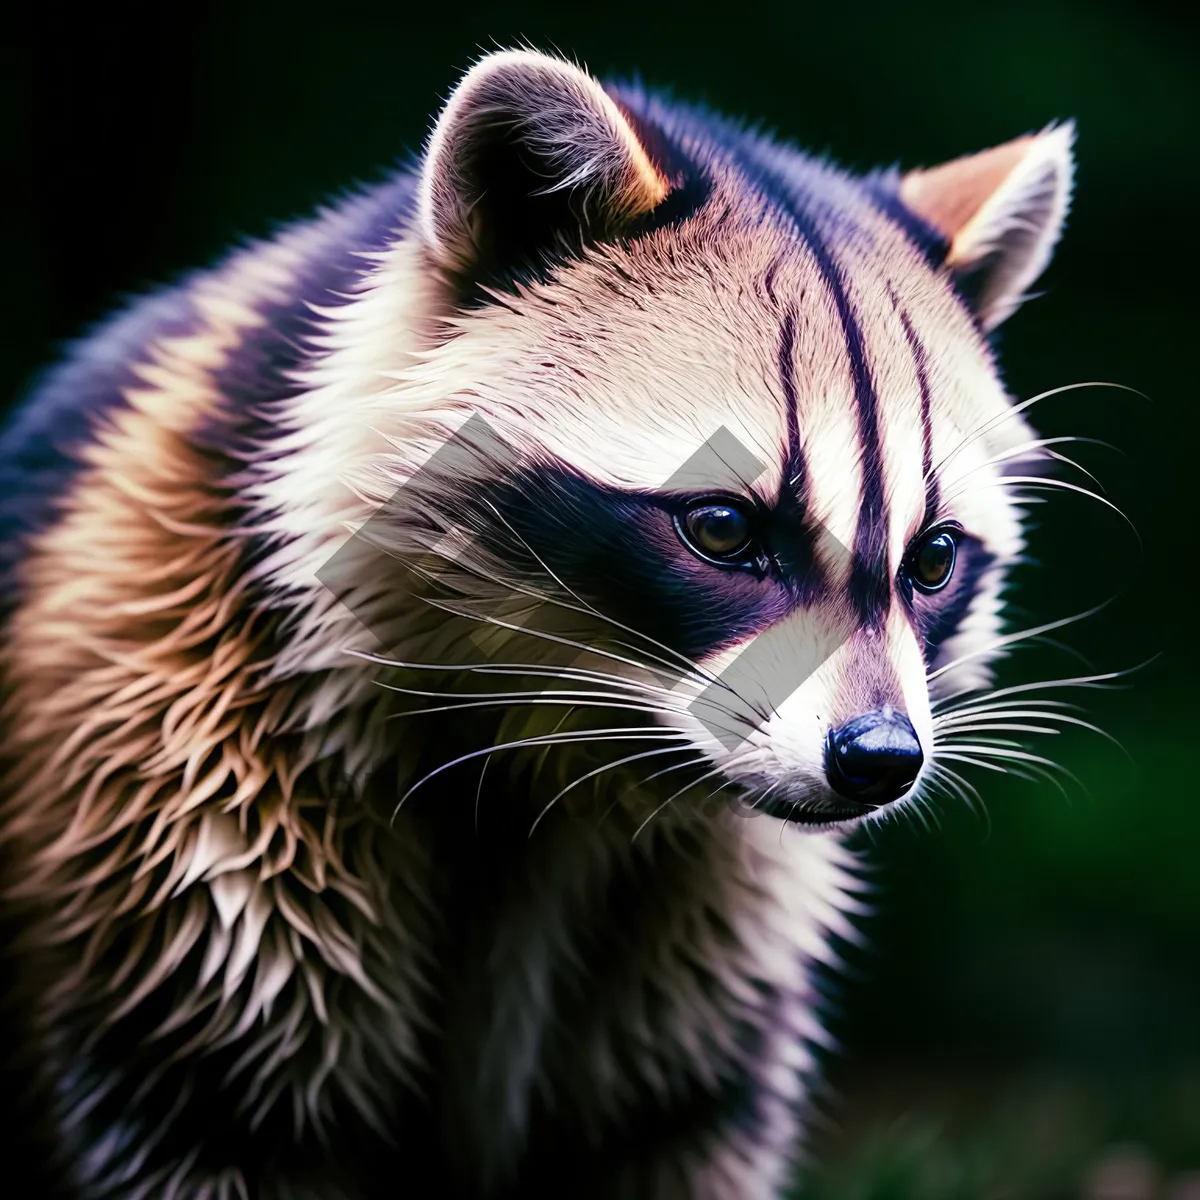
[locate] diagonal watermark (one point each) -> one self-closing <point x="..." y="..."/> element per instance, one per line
<point x="401" y="550"/>
<point x="398" y="548"/>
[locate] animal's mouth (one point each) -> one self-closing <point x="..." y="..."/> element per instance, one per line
<point x="828" y="817"/>
<point x="835" y="815"/>
<point x="812" y="811"/>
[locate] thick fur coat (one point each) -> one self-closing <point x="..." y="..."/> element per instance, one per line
<point x="359" y="822"/>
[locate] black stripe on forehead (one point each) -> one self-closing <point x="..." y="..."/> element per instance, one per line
<point x="793" y="544"/>
<point x="795" y="470"/>
<point x="870" y="585"/>
<point x="921" y="363"/>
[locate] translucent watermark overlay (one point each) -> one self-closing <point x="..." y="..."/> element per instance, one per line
<point x="382" y="560"/>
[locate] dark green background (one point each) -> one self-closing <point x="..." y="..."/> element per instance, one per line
<point x="1029" y="996"/>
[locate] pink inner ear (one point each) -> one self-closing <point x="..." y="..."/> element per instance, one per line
<point x="1002" y="211"/>
<point x="947" y="197"/>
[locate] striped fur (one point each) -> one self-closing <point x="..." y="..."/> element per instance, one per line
<point x="271" y="943"/>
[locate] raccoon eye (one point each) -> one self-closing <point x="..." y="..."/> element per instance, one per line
<point x="932" y="561"/>
<point x="719" y="531"/>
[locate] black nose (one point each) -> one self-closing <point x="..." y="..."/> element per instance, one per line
<point x="874" y="758"/>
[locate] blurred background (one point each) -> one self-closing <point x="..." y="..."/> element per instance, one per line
<point x="1023" y="1019"/>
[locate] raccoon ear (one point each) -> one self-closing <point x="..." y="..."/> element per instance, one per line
<point x="1001" y="211"/>
<point x="529" y="154"/>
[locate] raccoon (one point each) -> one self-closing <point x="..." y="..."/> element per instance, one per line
<point x="446" y="646"/>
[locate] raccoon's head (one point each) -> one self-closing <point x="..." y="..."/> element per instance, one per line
<point x="727" y="418"/>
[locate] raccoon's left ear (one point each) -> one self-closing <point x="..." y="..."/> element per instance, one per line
<point x="1001" y="211"/>
<point x="530" y="156"/>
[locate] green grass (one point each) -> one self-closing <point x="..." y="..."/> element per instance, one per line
<point x="921" y="1159"/>
<point x="1028" y="1141"/>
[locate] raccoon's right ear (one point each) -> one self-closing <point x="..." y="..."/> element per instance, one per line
<point x="530" y="156"/>
<point x="1001" y="212"/>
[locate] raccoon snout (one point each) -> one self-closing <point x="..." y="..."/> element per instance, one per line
<point x="873" y="759"/>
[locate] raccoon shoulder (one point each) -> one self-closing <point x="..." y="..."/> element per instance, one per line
<point x="245" y="323"/>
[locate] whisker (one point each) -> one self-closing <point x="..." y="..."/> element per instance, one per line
<point x="761" y="797"/>
<point x="1041" y="483"/>
<point x="764" y="714"/>
<point x="1029" y="773"/>
<point x="691" y="784"/>
<point x="524" y="699"/>
<point x="540" y="634"/>
<point x="667" y="801"/>
<point x="991" y="741"/>
<point x="698" y="761"/>
<point x="924" y="808"/>
<point x="1098" y="681"/>
<point x="589" y="609"/>
<point x="1001" y="712"/>
<point x="634" y="733"/>
<point x="969" y="708"/>
<point x="479" y="789"/>
<point x="978" y="727"/>
<point x="989" y="715"/>
<point x="962" y="789"/>
<point x="1009" y="638"/>
<point x="1021" y="451"/>
<point x="995" y="751"/>
<point x="600" y="771"/>
<point x="682" y="668"/>
<point x="1063" y="648"/>
<point x="917" y="811"/>
<point x="1047" y="716"/>
<point x="540" y="764"/>
<point x="968" y="789"/>
<point x="1070" y="462"/>
<point x="1014" y="758"/>
<point x="628" y="694"/>
<point x="740" y="723"/>
<point x="531" y="669"/>
<point x="1021" y="407"/>
<point x="974" y="762"/>
<point x="580" y="701"/>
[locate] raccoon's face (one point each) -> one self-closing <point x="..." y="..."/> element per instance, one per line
<point x="755" y="443"/>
